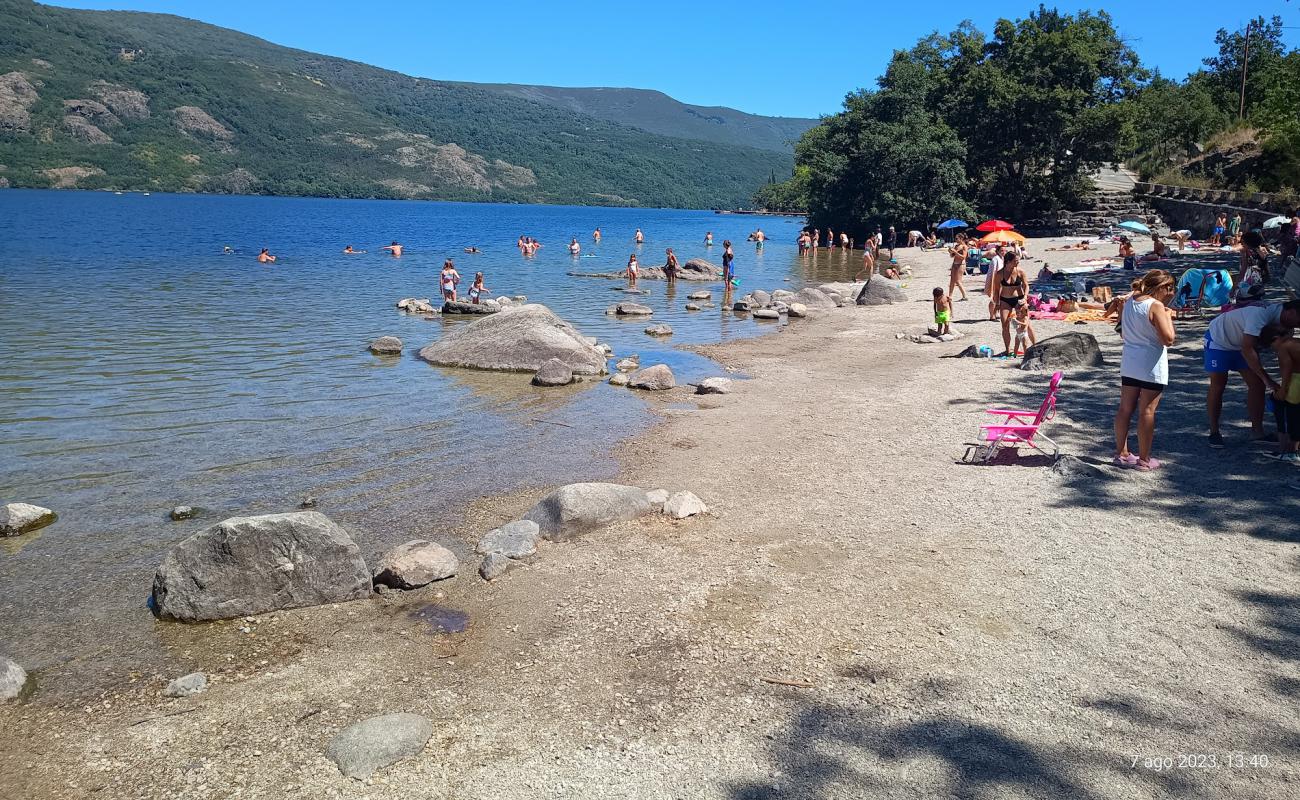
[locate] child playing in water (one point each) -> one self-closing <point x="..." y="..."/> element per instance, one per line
<point x="942" y="311"/>
<point x="1024" y="330"/>
<point x="478" y="289"/>
<point x="632" y="269"/>
<point x="448" y="280"/>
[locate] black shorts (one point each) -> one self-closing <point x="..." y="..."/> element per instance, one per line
<point x="1012" y="302"/>
<point x="1288" y="418"/>
<point x="1146" y="385"/>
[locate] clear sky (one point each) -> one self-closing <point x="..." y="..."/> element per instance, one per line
<point x="763" y="56"/>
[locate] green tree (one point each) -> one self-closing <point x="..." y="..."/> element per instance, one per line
<point x="1266" y="51"/>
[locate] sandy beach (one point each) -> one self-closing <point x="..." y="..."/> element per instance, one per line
<point x="862" y="615"/>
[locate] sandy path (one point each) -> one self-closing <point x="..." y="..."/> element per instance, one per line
<point x="968" y="631"/>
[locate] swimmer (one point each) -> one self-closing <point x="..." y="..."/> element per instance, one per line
<point x="227" y="250"/>
<point x="448" y="280"/>
<point x="394" y="248"/>
<point x="472" y="250"/>
<point x="640" y="237"/>
<point x="348" y="251"/>
<point x="574" y="247"/>
<point x="595" y="236"/>
<point x="708" y="239"/>
<point x="759" y="238"/>
<point x="265" y="256"/>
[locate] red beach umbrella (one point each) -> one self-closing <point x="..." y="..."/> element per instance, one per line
<point x="990" y="225"/>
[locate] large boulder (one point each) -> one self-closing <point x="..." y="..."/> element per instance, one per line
<point x="553" y="372"/>
<point x="762" y="299"/>
<point x="461" y="307"/>
<point x="697" y="269"/>
<point x="633" y="310"/>
<point x="252" y="565"/>
<point x="797" y="310"/>
<point x="386" y="346"/>
<point x="814" y="298"/>
<point x="1067" y="350"/>
<point x="880" y="291"/>
<point x="13" y="680"/>
<point x="364" y="747"/>
<point x="415" y="564"/>
<point x="520" y="340"/>
<point x="655" y="378"/>
<point x="580" y="507"/>
<point x="19" y="518"/>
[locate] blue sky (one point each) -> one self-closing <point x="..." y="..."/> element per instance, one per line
<point x="763" y="56"/>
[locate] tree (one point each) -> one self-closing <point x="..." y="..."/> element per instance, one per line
<point x="1266" y="51"/>
<point x="1171" y="120"/>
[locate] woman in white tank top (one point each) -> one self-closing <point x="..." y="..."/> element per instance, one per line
<point x="1147" y="327"/>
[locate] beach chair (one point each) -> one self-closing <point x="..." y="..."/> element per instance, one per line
<point x="1016" y="428"/>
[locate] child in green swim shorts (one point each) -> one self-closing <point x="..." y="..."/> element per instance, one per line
<point x="942" y="311"/>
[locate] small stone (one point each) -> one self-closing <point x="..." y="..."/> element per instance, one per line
<point x="415" y="564"/>
<point x="797" y="310"/>
<point x="364" y="747"/>
<point x="618" y="379"/>
<point x="701" y="295"/>
<point x="713" y="386"/>
<point x="308" y="502"/>
<point x="495" y="565"/>
<point x="183" y="512"/>
<point x="18" y="518"/>
<point x="657" y="498"/>
<point x="766" y="313"/>
<point x="627" y="365"/>
<point x="655" y="378"/>
<point x="684" y="504"/>
<point x="553" y="372"/>
<point x="386" y="346"/>
<point x="516" y="539"/>
<point x="692" y="307"/>
<point x="659" y="330"/>
<point x="187" y="685"/>
<point x="13" y="680"/>
<point x="633" y="310"/>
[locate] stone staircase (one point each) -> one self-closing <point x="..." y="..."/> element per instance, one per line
<point x="1103" y="209"/>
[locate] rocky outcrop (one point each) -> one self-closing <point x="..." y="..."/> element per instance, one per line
<point x="697" y="269"/>
<point x="553" y="372"/>
<point x="654" y="378"/>
<point x="237" y="181"/>
<point x="473" y="309"/>
<point x="252" y="565"/>
<point x="20" y="518"/>
<point x="365" y="747"/>
<point x="85" y="131"/>
<point x="1060" y="352"/>
<point x="95" y="112"/>
<point x="69" y="177"/>
<point x="520" y="340"/>
<point x="417" y="305"/>
<point x="199" y="123"/>
<point x="386" y="346"/>
<point x="123" y="102"/>
<point x="580" y="507"/>
<point x="415" y="564"/>
<point x="17" y="96"/>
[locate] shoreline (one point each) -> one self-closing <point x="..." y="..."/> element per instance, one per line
<point x="997" y="627"/>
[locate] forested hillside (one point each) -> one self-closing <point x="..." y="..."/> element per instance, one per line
<point x="128" y="100"/>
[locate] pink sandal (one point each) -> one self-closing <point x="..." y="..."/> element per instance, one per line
<point x="1148" y="465"/>
<point x="1129" y="460"/>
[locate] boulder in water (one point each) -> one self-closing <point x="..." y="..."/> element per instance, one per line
<point x="633" y="310"/>
<point x="553" y="372"/>
<point x="814" y="298"/>
<point x="659" y="330"/>
<point x="19" y="518"/>
<point x="520" y="340"/>
<point x="386" y="346"/>
<point x="461" y="307"/>
<point x="766" y="313"/>
<point x="251" y="565"/>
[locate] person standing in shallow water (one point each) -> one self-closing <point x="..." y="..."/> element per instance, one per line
<point x="265" y="256"/>
<point x="670" y="267"/>
<point x="640" y="237"/>
<point x="448" y="280"/>
<point x="708" y="239"/>
<point x="595" y="236"/>
<point x="727" y="258"/>
<point x="632" y="269"/>
<point x="394" y="248"/>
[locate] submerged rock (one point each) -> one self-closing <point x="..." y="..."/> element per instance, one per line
<point x="415" y="564"/>
<point x="1066" y="350"/>
<point x="627" y="364"/>
<point x="386" y="346"/>
<point x="187" y="685"/>
<point x="365" y="747"/>
<point x="580" y="507"/>
<point x="13" y="680"/>
<point x="183" y="512"/>
<point x="516" y="539"/>
<point x="19" y="518"/>
<point x="553" y="372"/>
<point x="659" y="330"/>
<point x="692" y="307"/>
<point x="520" y="340"/>
<point x="700" y="296"/>
<point x="251" y="565"/>
<point x="654" y="379"/>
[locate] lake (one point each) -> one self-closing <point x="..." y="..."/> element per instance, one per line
<point x="142" y="368"/>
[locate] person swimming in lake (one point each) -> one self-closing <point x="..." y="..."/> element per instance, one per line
<point x="632" y="268"/>
<point x="227" y="251"/>
<point x="670" y="267"/>
<point x="472" y="250"/>
<point x="595" y="236"/>
<point x="759" y="238"/>
<point x="478" y="289"/>
<point x="348" y="251"/>
<point x="708" y="239"/>
<point x="265" y="256"/>
<point x="574" y="247"/>
<point x="640" y="237"/>
<point x="394" y="248"/>
<point x="448" y="280"/>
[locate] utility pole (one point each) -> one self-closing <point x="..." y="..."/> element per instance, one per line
<point x="1245" y="62"/>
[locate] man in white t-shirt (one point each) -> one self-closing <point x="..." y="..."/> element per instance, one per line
<point x="1230" y="347"/>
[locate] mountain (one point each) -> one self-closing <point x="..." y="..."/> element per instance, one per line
<point x="656" y="112"/>
<point x="128" y="100"/>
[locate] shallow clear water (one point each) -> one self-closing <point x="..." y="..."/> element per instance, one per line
<point x="140" y="368"/>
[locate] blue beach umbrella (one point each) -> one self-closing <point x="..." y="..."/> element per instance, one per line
<point x="951" y="223"/>
<point x="1134" y="226"/>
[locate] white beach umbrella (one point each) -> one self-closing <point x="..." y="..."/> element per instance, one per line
<point x="1275" y="222"/>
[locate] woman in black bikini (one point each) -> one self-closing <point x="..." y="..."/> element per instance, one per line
<point x="1012" y="288"/>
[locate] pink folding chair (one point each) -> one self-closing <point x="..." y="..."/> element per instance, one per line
<point x="1017" y="428"/>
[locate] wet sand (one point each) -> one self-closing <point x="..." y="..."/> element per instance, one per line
<point x="990" y="631"/>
